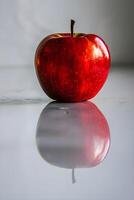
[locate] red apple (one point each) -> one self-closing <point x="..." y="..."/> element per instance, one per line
<point x="72" y="67"/>
<point x="72" y="135"/>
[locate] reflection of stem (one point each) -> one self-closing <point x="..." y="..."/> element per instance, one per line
<point x="73" y="176"/>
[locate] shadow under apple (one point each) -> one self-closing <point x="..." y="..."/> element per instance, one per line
<point x="72" y="135"/>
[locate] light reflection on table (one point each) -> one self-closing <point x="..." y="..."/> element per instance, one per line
<point x="73" y="135"/>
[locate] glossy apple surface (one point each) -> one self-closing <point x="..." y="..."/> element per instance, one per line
<point x="72" y="69"/>
<point x="72" y="135"/>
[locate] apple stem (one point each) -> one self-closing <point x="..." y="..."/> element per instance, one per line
<point x="73" y="176"/>
<point x="72" y="27"/>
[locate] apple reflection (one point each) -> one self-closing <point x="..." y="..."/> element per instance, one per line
<point x="72" y="135"/>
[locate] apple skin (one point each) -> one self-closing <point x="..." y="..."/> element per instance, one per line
<point x="72" y="135"/>
<point x="72" y="69"/>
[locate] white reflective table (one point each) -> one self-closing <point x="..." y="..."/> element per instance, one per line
<point x="58" y="151"/>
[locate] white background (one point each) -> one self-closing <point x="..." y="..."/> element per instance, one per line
<point x="23" y="23"/>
